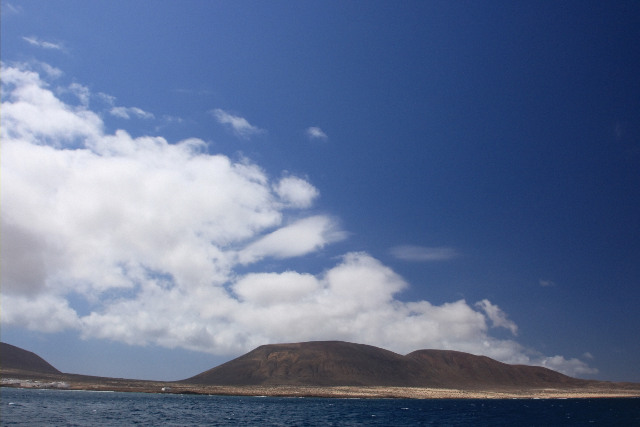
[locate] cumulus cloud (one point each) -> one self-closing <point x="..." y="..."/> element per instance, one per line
<point x="316" y="133"/>
<point x="573" y="366"/>
<point x="34" y="41"/>
<point x="296" y="192"/>
<point x="162" y="241"/>
<point x="423" y="254"/>
<point x="127" y="112"/>
<point x="44" y="312"/>
<point x="34" y="114"/>
<point x="269" y="289"/>
<point x="240" y="126"/>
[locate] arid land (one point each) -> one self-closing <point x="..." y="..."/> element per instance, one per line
<point x="332" y="369"/>
<point x="24" y="379"/>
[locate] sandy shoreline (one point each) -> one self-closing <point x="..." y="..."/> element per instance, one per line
<point x="76" y="382"/>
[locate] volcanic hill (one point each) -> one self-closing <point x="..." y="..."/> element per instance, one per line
<point x="337" y="363"/>
<point x="332" y="369"/>
<point x="15" y="358"/>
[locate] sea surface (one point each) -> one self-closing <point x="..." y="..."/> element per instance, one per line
<point x="83" y="408"/>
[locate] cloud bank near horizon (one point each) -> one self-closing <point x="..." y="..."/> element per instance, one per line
<point x="143" y="241"/>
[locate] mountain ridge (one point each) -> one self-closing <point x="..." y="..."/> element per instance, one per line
<point x="338" y="363"/>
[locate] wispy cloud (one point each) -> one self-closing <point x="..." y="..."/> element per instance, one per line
<point x="315" y="133"/>
<point x="300" y="238"/>
<point x="546" y="283"/>
<point x="497" y="316"/>
<point x="106" y="98"/>
<point x="10" y="8"/>
<point x="127" y="112"/>
<point x="81" y="92"/>
<point x="120" y="111"/>
<point x="34" y="41"/>
<point x="239" y="125"/>
<point x="423" y="254"/>
<point x="48" y="70"/>
<point x="165" y="242"/>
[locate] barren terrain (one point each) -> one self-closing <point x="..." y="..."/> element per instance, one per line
<point x="19" y="368"/>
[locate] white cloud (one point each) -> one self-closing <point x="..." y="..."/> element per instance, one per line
<point x="82" y="92"/>
<point x="123" y="112"/>
<point x="497" y="316"/>
<point x="44" y="312"/>
<point x="110" y="100"/>
<point x="159" y="239"/>
<point x="34" y="113"/>
<point x="34" y="41"/>
<point x="300" y="238"/>
<point x="239" y="125"/>
<point x="296" y="192"/>
<point x="571" y="366"/>
<point x="423" y="254"/>
<point x="51" y="72"/>
<point x="316" y="133"/>
<point x="546" y="283"/>
<point x="268" y="289"/>
<point x="127" y="112"/>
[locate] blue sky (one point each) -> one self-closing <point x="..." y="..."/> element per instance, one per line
<point x="184" y="181"/>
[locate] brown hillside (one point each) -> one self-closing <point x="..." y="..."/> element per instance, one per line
<point x="15" y="358"/>
<point x="455" y="368"/>
<point x="335" y="363"/>
<point x="313" y="363"/>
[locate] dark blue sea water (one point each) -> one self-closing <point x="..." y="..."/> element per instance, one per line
<point x="82" y="408"/>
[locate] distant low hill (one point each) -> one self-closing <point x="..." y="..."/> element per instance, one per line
<point x="337" y="363"/>
<point x="15" y="358"/>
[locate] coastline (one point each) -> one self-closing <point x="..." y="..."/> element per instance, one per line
<point x="79" y="382"/>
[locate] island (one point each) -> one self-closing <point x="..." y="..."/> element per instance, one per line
<point x="333" y="369"/>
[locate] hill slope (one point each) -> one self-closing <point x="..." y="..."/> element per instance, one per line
<point x="312" y="363"/>
<point x="15" y="358"/>
<point x="454" y="368"/>
<point x="336" y="363"/>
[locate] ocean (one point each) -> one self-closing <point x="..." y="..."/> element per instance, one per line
<point x="83" y="408"/>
